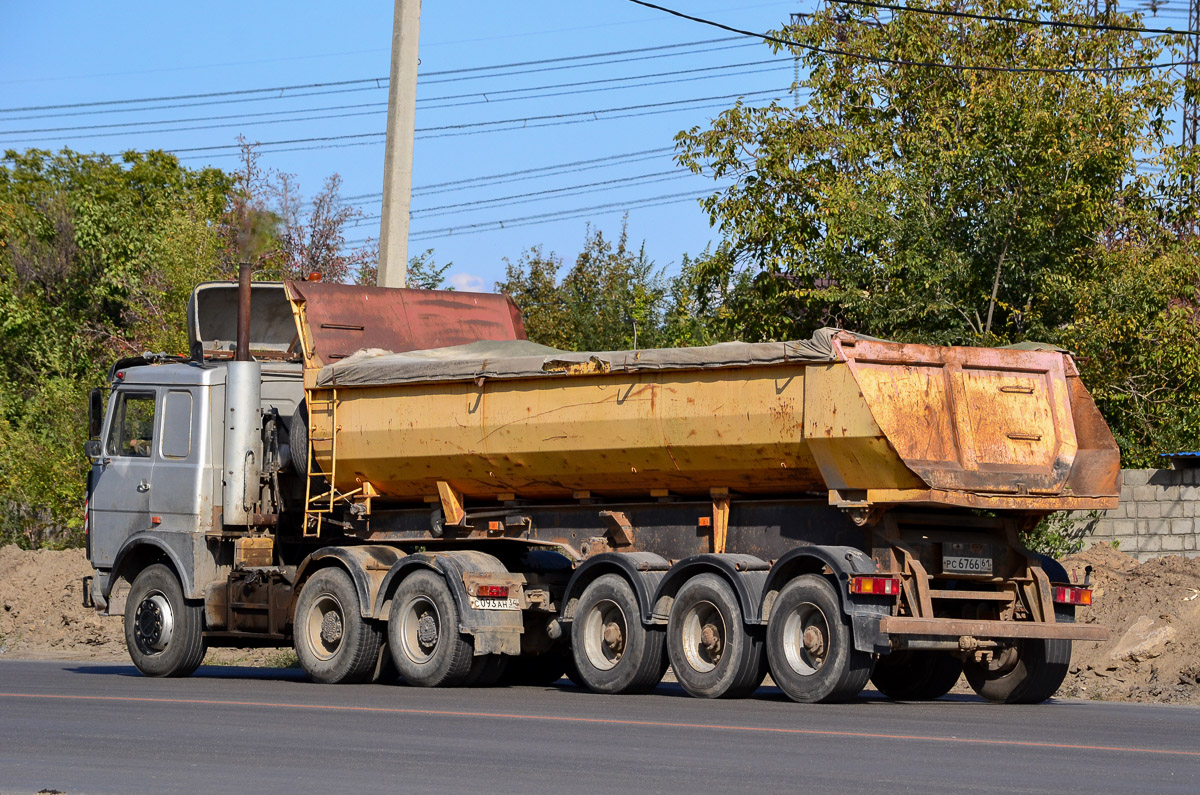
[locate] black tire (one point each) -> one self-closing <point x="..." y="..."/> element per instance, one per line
<point x="539" y="670"/>
<point x="163" y="632"/>
<point x="1027" y="671"/>
<point x="334" y="643"/>
<point x="385" y="671"/>
<point x="423" y="633"/>
<point x="713" y="653"/>
<point x="487" y="670"/>
<point x="916" y="675"/>
<point x="631" y="660"/>
<point x="298" y="439"/>
<point x="827" y="667"/>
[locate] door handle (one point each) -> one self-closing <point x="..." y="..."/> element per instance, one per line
<point x="144" y="486"/>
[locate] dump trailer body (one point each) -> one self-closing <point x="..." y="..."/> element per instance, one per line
<point x="864" y="421"/>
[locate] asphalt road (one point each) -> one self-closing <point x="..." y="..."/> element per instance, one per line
<point x="77" y="727"/>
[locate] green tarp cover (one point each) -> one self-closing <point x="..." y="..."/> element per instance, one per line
<point x="523" y="359"/>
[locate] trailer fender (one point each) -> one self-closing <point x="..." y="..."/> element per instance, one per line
<point x="494" y="631"/>
<point x="745" y="573"/>
<point x="643" y="570"/>
<point x="844" y="562"/>
<point x="367" y="565"/>
<point x="139" y="551"/>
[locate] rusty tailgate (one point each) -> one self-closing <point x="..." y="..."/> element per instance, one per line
<point x="985" y="420"/>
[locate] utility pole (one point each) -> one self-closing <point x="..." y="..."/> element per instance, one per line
<point x="1191" y="114"/>
<point x="397" y="160"/>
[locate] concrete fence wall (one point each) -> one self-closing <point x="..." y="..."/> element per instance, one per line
<point x="1157" y="514"/>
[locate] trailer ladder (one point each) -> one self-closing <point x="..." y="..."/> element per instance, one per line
<point x="318" y="506"/>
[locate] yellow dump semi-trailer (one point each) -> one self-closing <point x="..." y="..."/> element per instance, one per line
<point x="843" y="508"/>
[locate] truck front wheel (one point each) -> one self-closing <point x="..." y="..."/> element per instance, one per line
<point x="333" y="642"/>
<point x="810" y="645"/>
<point x="423" y="634"/>
<point x="712" y="651"/>
<point x="164" y="634"/>
<point x="613" y="651"/>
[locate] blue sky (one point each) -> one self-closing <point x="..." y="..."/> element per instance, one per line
<point x="72" y="53"/>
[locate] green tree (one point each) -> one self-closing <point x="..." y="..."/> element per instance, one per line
<point x="612" y="298"/>
<point x="97" y="256"/>
<point x="910" y="200"/>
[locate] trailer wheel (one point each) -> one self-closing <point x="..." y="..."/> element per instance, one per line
<point x="613" y="651"/>
<point x="487" y="670"/>
<point x="423" y="633"/>
<point x="333" y="642"/>
<point x="1025" y="672"/>
<point x="713" y="653"/>
<point x="164" y="634"/>
<point x="916" y="675"/>
<point x="538" y="670"/>
<point x="810" y="645"/>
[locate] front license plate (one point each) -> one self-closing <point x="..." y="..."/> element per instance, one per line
<point x="966" y="559"/>
<point x="495" y="604"/>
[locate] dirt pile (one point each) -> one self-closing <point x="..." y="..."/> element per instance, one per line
<point x="42" y="616"/>
<point x="1152" y="610"/>
<point x="41" y="607"/>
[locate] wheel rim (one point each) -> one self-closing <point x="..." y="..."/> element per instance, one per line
<point x="154" y="622"/>
<point x="806" y="638"/>
<point x="704" y="635"/>
<point x="605" y="633"/>
<point x="326" y="626"/>
<point x="420" y="629"/>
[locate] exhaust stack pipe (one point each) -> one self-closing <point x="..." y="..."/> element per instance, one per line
<point x="243" y="419"/>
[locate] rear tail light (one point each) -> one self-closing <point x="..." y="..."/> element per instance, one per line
<point x="1070" y="595"/>
<point x="875" y="586"/>
<point x="492" y="591"/>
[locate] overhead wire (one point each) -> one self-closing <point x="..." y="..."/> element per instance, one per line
<point x="523" y="121"/>
<point x="485" y="98"/>
<point x="381" y="82"/>
<point x="1017" y="20"/>
<point x="904" y="62"/>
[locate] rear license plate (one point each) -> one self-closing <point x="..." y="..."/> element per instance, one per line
<point x="510" y="603"/>
<point x="958" y="558"/>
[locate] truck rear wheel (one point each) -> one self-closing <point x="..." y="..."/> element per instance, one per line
<point x="916" y="675"/>
<point x="613" y="651"/>
<point x="334" y="643"/>
<point x="423" y="633"/>
<point x="712" y="651"/>
<point x="164" y="634"/>
<point x="810" y="645"/>
<point x="1025" y="672"/>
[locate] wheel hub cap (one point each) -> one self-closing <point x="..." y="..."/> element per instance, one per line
<point x="331" y="628"/>
<point x="710" y="637"/>
<point x="614" y="637"/>
<point x="154" y="622"/>
<point x="814" y="641"/>
<point x="427" y="631"/>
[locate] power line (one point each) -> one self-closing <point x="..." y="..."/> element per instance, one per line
<point x="592" y="162"/>
<point x="475" y="125"/>
<point x="542" y="195"/>
<point x="378" y="142"/>
<point x="380" y="82"/>
<point x="1017" y="20"/>
<point x="902" y="62"/>
<point x="382" y="106"/>
<point x="558" y="215"/>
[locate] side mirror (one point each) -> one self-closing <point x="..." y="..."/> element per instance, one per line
<point x="92" y="448"/>
<point x="95" y="414"/>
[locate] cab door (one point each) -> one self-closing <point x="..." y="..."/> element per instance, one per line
<point x="120" y="500"/>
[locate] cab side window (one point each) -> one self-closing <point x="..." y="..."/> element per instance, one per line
<point x="132" y="432"/>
